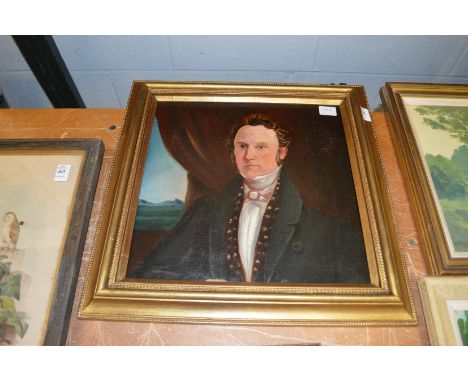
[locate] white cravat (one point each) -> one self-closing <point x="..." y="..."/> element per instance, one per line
<point x="257" y="193"/>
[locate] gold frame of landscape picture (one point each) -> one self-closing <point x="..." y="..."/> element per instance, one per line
<point x="434" y="235"/>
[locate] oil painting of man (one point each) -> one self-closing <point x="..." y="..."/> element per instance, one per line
<point x="258" y="228"/>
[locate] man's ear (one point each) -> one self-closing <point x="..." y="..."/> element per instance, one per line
<point x="283" y="151"/>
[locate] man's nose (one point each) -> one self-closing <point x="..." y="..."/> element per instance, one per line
<point x="249" y="153"/>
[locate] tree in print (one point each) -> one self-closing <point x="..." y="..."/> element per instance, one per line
<point x="450" y="175"/>
<point x="452" y="119"/>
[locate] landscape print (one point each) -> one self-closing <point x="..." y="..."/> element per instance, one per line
<point x="442" y="134"/>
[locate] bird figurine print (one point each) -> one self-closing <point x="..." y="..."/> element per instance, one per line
<point x="10" y="230"/>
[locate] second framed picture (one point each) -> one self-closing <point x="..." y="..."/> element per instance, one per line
<point x="430" y="128"/>
<point x="46" y="195"/>
<point x="248" y="203"/>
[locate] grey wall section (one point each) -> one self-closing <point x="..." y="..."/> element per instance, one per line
<point x="19" y="86"/>
<point x="103" y="67"/>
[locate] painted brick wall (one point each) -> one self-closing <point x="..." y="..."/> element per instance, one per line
<point x="103" y="67"/>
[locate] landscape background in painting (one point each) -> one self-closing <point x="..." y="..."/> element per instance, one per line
<point x="163" y="188"/>
<point x="160" y="203"/>
<point x="442" y="133"/>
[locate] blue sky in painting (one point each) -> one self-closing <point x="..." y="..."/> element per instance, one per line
<point x="163" y="177"/>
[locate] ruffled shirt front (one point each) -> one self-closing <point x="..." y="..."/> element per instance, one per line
<point x="257" y="194"/>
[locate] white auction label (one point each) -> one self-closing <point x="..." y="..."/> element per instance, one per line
<point x="366" y="114"/>
<point x="328" y="110"/>
<point x="62" y="172"/>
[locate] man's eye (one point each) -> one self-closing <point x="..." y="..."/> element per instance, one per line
<point x="260" y="147"/>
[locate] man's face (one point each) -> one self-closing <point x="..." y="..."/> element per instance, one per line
<point x="256" y="149"/>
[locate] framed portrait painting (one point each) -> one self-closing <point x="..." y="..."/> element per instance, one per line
<point x="247" y="203"/>
<point x="445" y="303"/>
<point x="46" y="196"/>
<point x="431" y="133"/>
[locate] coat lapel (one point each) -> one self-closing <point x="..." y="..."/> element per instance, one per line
<point x="217" y="229"/>
<point x="284" y="227"/>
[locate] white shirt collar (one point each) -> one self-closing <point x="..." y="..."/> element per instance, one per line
<point x="262" y="182"/>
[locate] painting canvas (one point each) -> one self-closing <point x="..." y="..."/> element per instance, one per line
<point x="440" y="126"/>
<point x="35" y="209"/>
<point x="225" y="196"/>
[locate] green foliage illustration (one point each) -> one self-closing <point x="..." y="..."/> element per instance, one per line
<point x="450" y="180"/>
<point x="463" y="327"/>
<point x="450" y="175"/>
<point x="9" y="292"/>
<point x="453" y="119"/>
<point x="460" y="158"/>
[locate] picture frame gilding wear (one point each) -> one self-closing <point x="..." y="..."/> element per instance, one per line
<point x="109" y="291"/>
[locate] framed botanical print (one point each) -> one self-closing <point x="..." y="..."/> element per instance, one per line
<point x="46" y="196"/>
<point x="430" y="130"/>
<point x="445" y="303"/>
<point x="247" y="203"/>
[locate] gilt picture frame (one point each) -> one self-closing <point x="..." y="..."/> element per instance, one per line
<point x="46" y="199"/>
<point x="445" y="305"/>
<point x="183" y="268"/>
<point x="430" y="125"/>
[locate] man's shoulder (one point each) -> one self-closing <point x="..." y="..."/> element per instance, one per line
<point x="309" y="213"/>
<point x="199" y="210"/>
<point x="229" y="192"/>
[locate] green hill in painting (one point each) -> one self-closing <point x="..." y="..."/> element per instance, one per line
<point x="158" y="216"/>
<point x="450" y="178"/>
